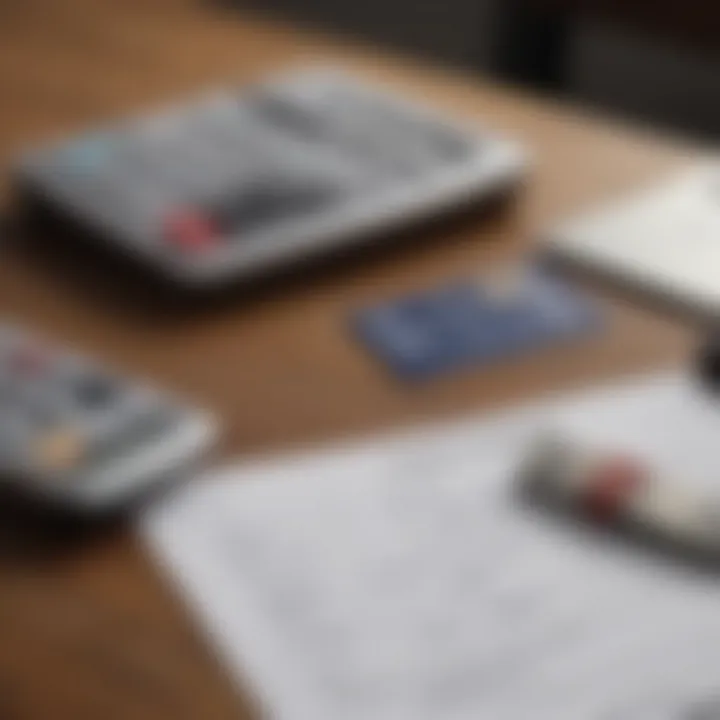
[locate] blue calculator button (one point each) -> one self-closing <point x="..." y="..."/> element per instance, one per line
<point x="89" y="153"/>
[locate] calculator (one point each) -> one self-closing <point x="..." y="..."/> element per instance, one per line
<point x="81" y="437"/>
<point x="242" y="181"/>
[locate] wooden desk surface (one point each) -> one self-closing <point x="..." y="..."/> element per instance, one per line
<point x="93" y="631"/>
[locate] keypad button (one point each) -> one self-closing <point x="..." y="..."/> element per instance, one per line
<point x="95" y="392"/>
<point x="89" y="153"/>
<point x="26" y="361"/>
<point x="292" y="117"/>
<point x="266" y="203"/>
<point x="190" y="231"/>
<point x="58" y="450"/>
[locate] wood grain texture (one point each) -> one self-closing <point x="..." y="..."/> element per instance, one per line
<point x="90" y="629"/>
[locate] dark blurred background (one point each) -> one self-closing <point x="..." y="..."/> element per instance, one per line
<point x="657" y="61"/>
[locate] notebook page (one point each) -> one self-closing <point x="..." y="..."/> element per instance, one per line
<point x="401" y="579"/>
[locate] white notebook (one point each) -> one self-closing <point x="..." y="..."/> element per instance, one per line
<point x="400" y="579"/>
<point x="664" y="240"/>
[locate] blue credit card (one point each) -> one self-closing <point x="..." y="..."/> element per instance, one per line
<point x="475" y="321"/>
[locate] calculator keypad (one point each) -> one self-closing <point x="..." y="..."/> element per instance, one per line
<point x="268" y="203"/>
<point x="58" y="413"/>
<point x="286" y="164"/>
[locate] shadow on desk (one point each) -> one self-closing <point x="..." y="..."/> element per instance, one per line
<point x="87" y="267"/>
<point x="32" y="533"/>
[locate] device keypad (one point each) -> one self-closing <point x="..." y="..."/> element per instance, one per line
<point x="236" y="181"/>
<point x="58" y="412"/>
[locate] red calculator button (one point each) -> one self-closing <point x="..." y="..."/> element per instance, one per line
<point x="27" y="361"/>
<point x="190" y="231"/>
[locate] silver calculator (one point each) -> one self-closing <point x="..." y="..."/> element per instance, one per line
<point x="240" y="182"/>
<point x="80" y="436"/>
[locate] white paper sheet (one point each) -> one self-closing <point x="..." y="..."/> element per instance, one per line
<point x="400" y="579"/>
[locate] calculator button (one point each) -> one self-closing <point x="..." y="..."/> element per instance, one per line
<point x="59" y="450"/>
<point x="291" y="117"/>
<point x="268" y="203"/>
<point x="95" y="392"/>
<point x="89" y="153"/>
<point x="41" y="406"/>
<point x="26" y="361"/>
<point x="190" y="231"/>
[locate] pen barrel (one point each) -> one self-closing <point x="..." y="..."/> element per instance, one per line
<point x="679" y="513"/>
<point x="616" y="489"/>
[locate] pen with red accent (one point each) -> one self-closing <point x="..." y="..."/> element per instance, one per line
<point x="617" y="489"/>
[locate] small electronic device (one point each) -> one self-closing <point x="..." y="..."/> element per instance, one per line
<point x="504" y="312"/>
<point x="240" y="182"/>
<point x="663" y="241"/>
<point x="79" y="436"/>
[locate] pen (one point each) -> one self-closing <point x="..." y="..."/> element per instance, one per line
<point x="615" y="489"/>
